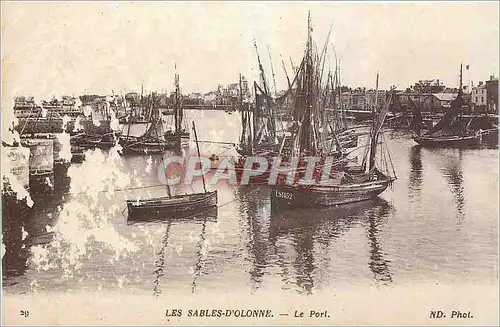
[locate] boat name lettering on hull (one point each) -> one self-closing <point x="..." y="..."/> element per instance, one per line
<point x="284" y="195"/>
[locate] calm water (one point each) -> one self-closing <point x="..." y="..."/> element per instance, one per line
<point x="438" y="224"/>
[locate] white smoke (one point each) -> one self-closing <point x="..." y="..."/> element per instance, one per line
<point x="44" y="112"/>
<point x="78" y="124"/>
<point x="7" y="176"/>
<point x="64" y="140"/>
<point x="9" y="122"/>
<point x="87" y="111"/>
<point x="114" y="124"/>
<point x="96" y="121"/>
<point x="66" y="119"/>
<point x="78" y="102"/>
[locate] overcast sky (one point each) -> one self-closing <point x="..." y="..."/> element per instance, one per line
<point x="75" y="48"/>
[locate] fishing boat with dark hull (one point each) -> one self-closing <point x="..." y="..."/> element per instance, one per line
<point x="450" y="131"/>
<point x="177" y="137"/>
<point x="173" y="206"/>
<point x="454" y="141"/>
<point x="330" y="195"/>
<point x="343" y="184"/>
<point x="150" y="136"/>
<point x="177" y="206"/>
<point x="489" y="137"/>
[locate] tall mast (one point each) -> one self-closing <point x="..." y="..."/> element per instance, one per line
<point x="287" y="78"/>
<point x="243" y="117"/>
<point x="199" y="156"/>
<point x="309" y="82"/>
<point x="375" y="107"/>
<point x="460" y="103"/>
<point x="141" y="102"/>
<point x="294" y="69"/>
<point x="272" y="70"/>
<point x="270" y="122"/>
<point x="177" y="114"/>
<point x="261" y="69"/>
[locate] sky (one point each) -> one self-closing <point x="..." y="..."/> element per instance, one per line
<point x="72" y="48"/>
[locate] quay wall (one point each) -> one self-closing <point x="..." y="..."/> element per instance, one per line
<point x="18" y="163"/>
<point x="41" y="158"/>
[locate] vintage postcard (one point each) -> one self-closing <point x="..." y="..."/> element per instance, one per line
<point x="250" y="163"/>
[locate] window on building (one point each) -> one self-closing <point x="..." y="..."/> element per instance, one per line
<point x="482" y="99"/>
<point x="476" y="99"/>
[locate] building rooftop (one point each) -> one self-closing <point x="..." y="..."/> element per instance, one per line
<point x="445" y="96"/>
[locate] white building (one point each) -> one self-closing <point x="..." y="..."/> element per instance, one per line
<point x="479" y="95"/>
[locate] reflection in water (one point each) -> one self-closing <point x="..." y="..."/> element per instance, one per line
<point x="160" y="262"/>
<point x="202" y="249"/>
<point x="14" y="216"/>
<point x="256" y="210"/>
<point x="451" y="168"/>
<point x="322" y="226"/>
<point x="210" y="215"/>
<point x="453" y="173"/>
<point x="378" y="264"/>
<point x="415" y="178"/>
<point x="23" y="227"/>
<point x="302" y="251"/>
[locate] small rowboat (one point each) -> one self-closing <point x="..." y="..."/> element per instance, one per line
<point x="177" y="206"/>
<point x="173" y="206"/>
<point x="455" y="141"/>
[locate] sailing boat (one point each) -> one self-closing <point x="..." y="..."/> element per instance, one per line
<point x="144" y="137"/>
<point x="259" y="132"/>
<point x="350" y="184"/>
<point x="174" y="206"/>
<point x="178" y="137"/>
<point x="450" y="130"/>
<point x="346" y="138"/>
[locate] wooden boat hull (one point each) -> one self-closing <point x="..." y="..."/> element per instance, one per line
<point x="179" y="206"/>
<point x="152" y="147"/>
<point x="449" y="141"/>
<point x="292" y="196"/>
<point x="489" y="136"/>
<point x="143" y="148"/>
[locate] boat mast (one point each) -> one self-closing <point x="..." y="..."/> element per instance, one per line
<point x="177" y="115"/>
<point x="294" y="69"/>
<point x="460" y="103"/>
<point x="287" y="78"/>
<point x="270" y="121"/>
<point x="141" y="102"/>
<point x="307" y="127"/>
<point x="199" y="156"/>
<point x="272" y="70"/>
<point x="243" y="116"/>
<point x="375" y="107"/>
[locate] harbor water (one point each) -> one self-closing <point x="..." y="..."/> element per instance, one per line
<point x="438" y="223"/>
